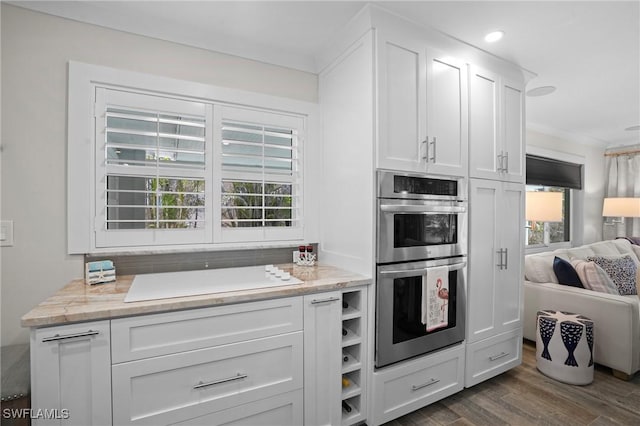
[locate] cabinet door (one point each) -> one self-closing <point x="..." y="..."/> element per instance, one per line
<point x="495" y="258"/>
<point x="513" y="131"/>
<point x="509" y="289"/>
<point x="447" y="130"/>
<point x="402" y="103"/>
<point x="71" y="370"/>
<point x="322" y="340"/>
<point x="484" y="205"/>
<point x="484" y="137"/>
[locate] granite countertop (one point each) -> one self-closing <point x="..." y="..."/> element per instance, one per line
<point x="78" y="301"/>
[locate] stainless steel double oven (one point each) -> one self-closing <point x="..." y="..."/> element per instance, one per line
<point x="422" y="225"/>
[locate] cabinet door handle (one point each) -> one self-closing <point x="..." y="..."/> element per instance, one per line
<point x="500" y="355"/>
<point x="70" y="336"/>
<point x="506" y="258"/>
<point x="238" y="376"/>
<point x="424" y="385"/>
<point x="327" y="300"/>
<point x="506" y="162"/>
<point x="500" y="162"/>
<point x="500" y="264"/>
<point x="433" y="142"/>
<point x="425" y="142"/>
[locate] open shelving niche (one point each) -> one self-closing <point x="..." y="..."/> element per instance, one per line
<point x="353" y="352"/>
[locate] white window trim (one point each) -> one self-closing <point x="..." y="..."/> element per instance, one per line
<point x="576" y="203"/>
<point x="83" y="78"/>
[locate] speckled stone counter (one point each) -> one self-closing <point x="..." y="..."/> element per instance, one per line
<point x="80" y="302"/>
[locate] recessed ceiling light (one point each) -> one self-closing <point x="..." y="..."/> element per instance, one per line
<point x="541" y="91"/>
<point x="633" y="128"/>
<point x="493" y="36"/>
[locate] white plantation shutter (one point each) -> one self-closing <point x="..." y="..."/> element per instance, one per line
<point x="261" y="179"/>
<point x="152" y="170"/>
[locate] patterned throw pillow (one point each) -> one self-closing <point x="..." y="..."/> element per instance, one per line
<point x="594" y="277"/>
<point x="621" y="269"/>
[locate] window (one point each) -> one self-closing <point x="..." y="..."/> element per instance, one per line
<point x="550" y="232"/>
<point x="174" y="171"/>
<point x="260" y="175"/>
<point x="156" y="163"/>
<point x="550" y="184"/>
<point x="151" y="160"/>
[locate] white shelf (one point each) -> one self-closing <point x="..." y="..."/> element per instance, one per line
<point x="351" y="338"/>
<point x="350" y="391"/>
<point x="352" y="365"/>
<point x="350" y="313"/>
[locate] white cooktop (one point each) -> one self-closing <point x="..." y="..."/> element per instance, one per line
<point x="191" y="283"/>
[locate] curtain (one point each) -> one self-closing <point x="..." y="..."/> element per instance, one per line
<point x="623" y="180"/>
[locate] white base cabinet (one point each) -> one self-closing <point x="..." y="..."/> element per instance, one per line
<point x="411" y="385"/>
<point x="272" y="362"/>
<point x="71" y="374"/>
<point x="493" y="356"/>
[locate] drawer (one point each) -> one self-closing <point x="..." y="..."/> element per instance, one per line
<point x="408" y="386"/>
<point x="178" y="387"/>
<point x="148" y="336"/>
<point x="493" y="356"/>
<point x="280" y="410"/>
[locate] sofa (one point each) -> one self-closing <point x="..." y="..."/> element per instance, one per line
<point x="616" y="317"/>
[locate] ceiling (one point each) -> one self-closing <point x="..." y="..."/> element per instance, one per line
<point x="589" y="50"/>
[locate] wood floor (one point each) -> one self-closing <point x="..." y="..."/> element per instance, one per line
<point x="524" y="396"/>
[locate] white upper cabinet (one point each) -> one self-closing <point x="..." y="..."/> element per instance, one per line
<point x="496" y="127"/>
<point x="447" y="114"/>
<point x="513" y="130"/>
<point x="422" y="107"/>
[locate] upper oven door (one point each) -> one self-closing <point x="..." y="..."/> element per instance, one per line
<point x="420" y="229"/>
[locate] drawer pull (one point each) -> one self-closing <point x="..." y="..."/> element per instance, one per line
<point x="70" y="336"/>
<point x="217" y="382"/>
<point x="424" y="385"/>
<point x="501" y="355"/>
<point x="330" y="299"/>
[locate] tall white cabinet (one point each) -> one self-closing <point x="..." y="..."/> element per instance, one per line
<point x="496" y="225"/>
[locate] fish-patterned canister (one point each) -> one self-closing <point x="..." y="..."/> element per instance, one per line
<point x="564" y="346"/>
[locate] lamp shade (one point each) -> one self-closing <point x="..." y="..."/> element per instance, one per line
<point x="621" y="207"/>
<point x="544" y="206"/>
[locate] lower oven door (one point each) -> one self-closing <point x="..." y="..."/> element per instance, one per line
<point x="400" y="308"/>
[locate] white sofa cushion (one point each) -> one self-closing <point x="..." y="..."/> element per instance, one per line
<point x="539" y="267"/>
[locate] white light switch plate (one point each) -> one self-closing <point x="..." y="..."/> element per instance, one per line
<point x="6" y="233"/>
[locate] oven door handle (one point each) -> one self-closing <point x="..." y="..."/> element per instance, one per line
<point x="402" y="208"/>
<point x="413" y="272"/>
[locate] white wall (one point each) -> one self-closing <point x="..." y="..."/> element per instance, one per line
<point x="35" y="51"/>
<point x="594" y="180"/>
